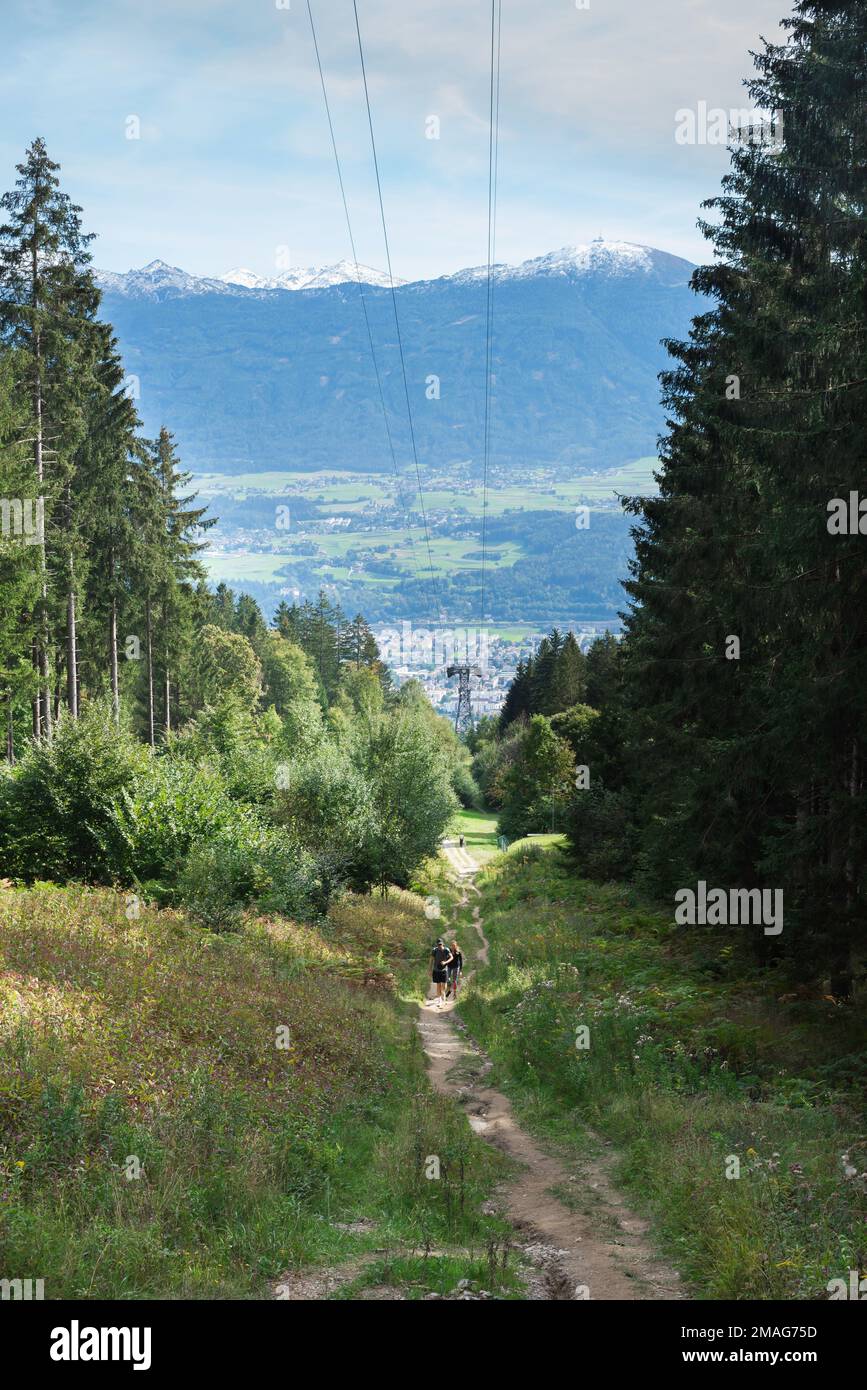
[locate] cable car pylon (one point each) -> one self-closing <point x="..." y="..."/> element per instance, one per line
<point x="464" y="721"/>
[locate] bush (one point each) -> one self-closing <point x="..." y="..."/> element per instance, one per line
<point x="57" y="808"/>
<point x="247" y="862"/>
<point x="157" y="820"/>
<point x="602" y="834"/>
<point x="326" y="803"/>
<point x="466" y="788"/>
<point x="245" y="750"/>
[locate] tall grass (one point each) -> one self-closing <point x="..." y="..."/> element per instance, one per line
<point x="184" y="1114"/>
<point x="694" y="1060"/>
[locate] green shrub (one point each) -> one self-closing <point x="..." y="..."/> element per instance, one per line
<point x="466" y="788"/>
<point x="244" y="748"/>
<point x="56" y="809"/>
<point x="602" y="833"/>
<point x="246" y="862"/>
<point x="168" y="808"/>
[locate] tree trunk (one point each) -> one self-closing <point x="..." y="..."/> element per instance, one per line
<point x="45" y="682"/>
<point x="112" y="658"/>
<point x="150" y="661"/>
<point x="36" y="704"/>
<point x="10" y="730"/>
<point x="71" y="654"/>
<point x="45" y="721"/>
<point x="841" y="971"/>
<point x="71" y="623"/>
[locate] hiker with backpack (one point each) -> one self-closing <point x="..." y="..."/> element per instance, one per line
<point x="440" y="957"/>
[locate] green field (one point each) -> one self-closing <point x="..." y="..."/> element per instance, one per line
<point x="156" y="1040"/>
<point x="479" y="829"/>
<point x="448" y="556"/>
<point x="537" y="491"/>
<point x="235" y="568"/>
<point x="362" y="496"/>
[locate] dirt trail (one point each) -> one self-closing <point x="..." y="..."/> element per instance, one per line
<point x="600" y="1252"/>
<point x="459" y="858"/>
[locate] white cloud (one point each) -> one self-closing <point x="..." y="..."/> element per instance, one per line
<point x="235" y="155"/>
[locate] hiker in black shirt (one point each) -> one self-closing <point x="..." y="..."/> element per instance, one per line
<point x="454" y="970"/>
<point x="439" y="960"/>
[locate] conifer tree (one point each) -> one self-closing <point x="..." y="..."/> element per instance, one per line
<point x="48" y="303"/>
<point x="20" y="570"/>
<point x="747" y="646"/>
<point x="174" y="599"/>
<point x="102" y="511"/>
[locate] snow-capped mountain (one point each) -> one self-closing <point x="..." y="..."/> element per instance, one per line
<point x="257" y="374"/>
<point x="156" y="280"/>
<point x="159" y="280"/>
<point x="309" y="279"/>
<point x="599" y="259"/>
<point x="248" y="279"/>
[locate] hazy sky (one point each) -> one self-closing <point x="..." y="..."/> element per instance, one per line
<point x="234" y="159"/>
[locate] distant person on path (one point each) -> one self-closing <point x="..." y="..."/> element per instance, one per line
<point x="461" y="841"/>
<point x="439" y="960"/>
<point x="454" y="969"/>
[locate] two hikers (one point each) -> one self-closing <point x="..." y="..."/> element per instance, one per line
<point x="445" y="968"/>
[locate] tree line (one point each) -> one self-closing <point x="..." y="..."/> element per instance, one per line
<point x="161" y="734"/>
<point x="728" y="743"/>
<point x="99" y="541"/>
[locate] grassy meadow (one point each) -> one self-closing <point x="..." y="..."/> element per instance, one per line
<point x="696" y="1057"/>
<point x="189" y="1115"/>
<point x="357" y="494"/>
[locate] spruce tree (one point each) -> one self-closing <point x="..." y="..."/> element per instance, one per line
<point x="48" y="304"/>
<point x="749" y="753"/>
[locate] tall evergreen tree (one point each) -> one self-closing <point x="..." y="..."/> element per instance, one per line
<point x="568" y="678"/>
<point x="104" y="500"/>
<point x="20" y="568"/>
<point x="747" y="647"/>
<point x="48" y="304"/>
<point x="174" y="600"/>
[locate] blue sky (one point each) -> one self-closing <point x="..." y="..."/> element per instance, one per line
<point x="234" y="160"/>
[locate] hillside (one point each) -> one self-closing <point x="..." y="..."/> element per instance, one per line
<point x="191" y="1115"/>
<point x="732" y="1096"/>
<point x="264" y="378"/>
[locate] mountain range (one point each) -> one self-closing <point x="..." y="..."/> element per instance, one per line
<point x="258" y="373"/>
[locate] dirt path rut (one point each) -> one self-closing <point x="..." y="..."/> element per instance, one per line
<point x="599" y="1250"/>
